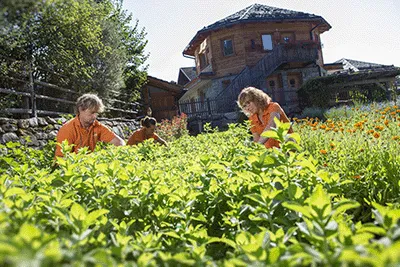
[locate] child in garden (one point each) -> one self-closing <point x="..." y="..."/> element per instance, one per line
<point x="146" y="132"/>
<point x="260" y="109"/>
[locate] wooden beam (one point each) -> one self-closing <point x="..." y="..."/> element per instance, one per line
<point x="55" y="99"/>
<point x="14" y="92"/>
<point x="56" y="87"/>
<point x="16" y="110"/>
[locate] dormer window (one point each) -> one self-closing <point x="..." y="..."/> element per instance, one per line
<point x="203" y="60"/>
<point x="227" y="47"/>
<point x="267" y="41"/>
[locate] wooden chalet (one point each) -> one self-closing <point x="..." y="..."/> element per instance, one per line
<point x="271" y="48"/>
<point x="161" y="97"/>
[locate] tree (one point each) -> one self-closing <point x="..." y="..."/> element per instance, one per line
<point x="86" y="45"/>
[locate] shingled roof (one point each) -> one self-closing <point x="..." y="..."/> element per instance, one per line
<point x="357" y="65"/>
<point x="258" y="13"/>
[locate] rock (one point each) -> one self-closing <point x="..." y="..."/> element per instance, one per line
<point x="41" y="136"/>
<point x="51" y="120"/>
<point x="107" y="123"/>
<point x="8" y="137"/>
<point x="33" y="141"/>
<point x="24" y="123"/>
<point x="33" y="122"/>
<point x="29" y="140"/>
<point x="57" y="126"/>
<point x="52" y="135"/>
<point x="1" y="130"/>
<point x="42" y="143"/>
<point x="62" y="120"/>
<point x="7" y="121"/>
<point x="8" y="127"/>
<point x="49" y="127"/>
<point x="42" y="121"/>
<point x="22" y="132"/>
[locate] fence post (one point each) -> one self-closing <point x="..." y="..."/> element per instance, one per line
<point x="32" y="89"/>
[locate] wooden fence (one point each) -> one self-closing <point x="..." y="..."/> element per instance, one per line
<point x="24" y="96"/>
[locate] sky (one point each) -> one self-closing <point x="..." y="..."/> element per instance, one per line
<point x="365" y="30"/>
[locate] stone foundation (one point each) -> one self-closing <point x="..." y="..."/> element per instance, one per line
<point x="37" y="132"/>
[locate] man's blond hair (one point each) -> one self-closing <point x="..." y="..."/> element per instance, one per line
<point x="89" y="101"/>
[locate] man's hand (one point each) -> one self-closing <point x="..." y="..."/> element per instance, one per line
<point x="117" y="141"/>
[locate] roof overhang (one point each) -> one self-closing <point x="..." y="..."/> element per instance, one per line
<point x="168" y="86"/>
<point x="202" y="34"/>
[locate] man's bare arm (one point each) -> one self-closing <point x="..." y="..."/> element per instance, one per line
<point x="117" y="141"/>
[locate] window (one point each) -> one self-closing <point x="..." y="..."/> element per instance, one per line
<point x="267" y="41"/>
<point x="253" y="44"/>
<point x="227" y="47"/>
<point x="272" y="84"/>
<point x="292" y="83"/>
<point x="203" y="61"/>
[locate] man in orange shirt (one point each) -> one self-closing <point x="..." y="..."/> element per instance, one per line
<point x="84" y="130"/>
<point x="146" y="132"/>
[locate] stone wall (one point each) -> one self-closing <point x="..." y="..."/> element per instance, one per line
<point x="37" y="132"/>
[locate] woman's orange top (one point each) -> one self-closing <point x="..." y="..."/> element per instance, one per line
<point x="139" y="136"/>
<point x="258" y="127"/>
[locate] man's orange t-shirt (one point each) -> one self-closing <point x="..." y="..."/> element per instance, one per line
<point x="81" y="137"/>
<point x="139" y="136"/>
<point x="258" y="127"/>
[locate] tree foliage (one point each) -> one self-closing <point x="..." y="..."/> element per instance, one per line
<point x="85" y="45"/>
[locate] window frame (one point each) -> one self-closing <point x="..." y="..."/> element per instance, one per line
<point x="223" y="47"/>
<point x="271" y="39"/>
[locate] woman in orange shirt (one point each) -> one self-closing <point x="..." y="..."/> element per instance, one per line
<point x="146" y="132"/>
<point x="260" y="109"/>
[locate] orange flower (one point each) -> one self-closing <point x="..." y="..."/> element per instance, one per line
<point x="377" y="135"/>
<point x="396" y="137"/>
<point x="356" y="176"/>
<point x="332" y="145"/>
<point x="323" y="151"/>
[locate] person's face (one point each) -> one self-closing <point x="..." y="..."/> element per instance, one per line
<point x="150" y="130"/>
<point x="249" y="107"/>
<point x="87" y="116"/>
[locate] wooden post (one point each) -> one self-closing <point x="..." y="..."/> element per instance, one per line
<point x="32" y="90"/>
